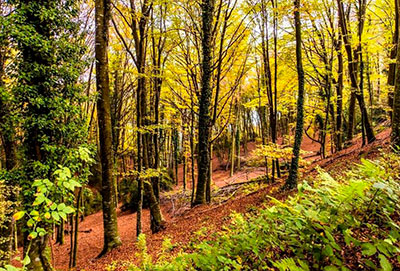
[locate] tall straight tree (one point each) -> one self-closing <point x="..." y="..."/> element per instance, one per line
<point x="204" y="158"/>
<point x="140" y="21"/>
<point x="352" y="61"/>
<point x="292" y="179"/>
<point x="111" y="236"/>
<point x="396" y="100"/>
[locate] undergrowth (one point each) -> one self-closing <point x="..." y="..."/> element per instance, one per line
<point x="349" y="223"/>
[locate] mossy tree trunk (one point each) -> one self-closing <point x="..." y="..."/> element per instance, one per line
<point x="396" y="101"/>
<point x="7" y="133"/>
<point x="393" y="55"/>
<point x="204" y="158"/>
<point x="157" y="220"/>
<point x="291" y="181"/>
<point x="39" y="255"/>
<point x="111" y="236"/>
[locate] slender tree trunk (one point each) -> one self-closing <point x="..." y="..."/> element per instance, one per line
<point x="393" y="55"/>
<point x="205" y="99"/>
<point x="353" y="67"/>
<point x="274" y="124"/>
<point x="175" y="140"/>
<point x="232" y="152"/>
<point x="291" y="182"/>
<point x="192" y="151"/>
<point x="111" y="236"/>
<point x="76" y="233"/>
<point x="238" y="139"/>
<point x="396" y="101"/>
<point x="339" y="95"/>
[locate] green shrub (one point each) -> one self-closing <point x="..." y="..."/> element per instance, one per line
<point x="344" y="224"/>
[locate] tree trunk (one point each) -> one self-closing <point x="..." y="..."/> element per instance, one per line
<point x="352" y="65"/>
<point x="396" y="101"/>
<point x="157" y="220"/>
<point x="111" y="236"/>
<point x="339" y="95"/>
<point x="291" y="182"/>
<point x="232" y="152"/>
<point x="39" y="253"/>
<point x="205" y="99"/>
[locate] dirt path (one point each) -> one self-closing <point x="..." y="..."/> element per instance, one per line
<point x="180" y="229"/>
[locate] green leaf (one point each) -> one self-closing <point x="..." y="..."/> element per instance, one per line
<point x="68" y="210"/>
<point x="9" y="268"/>
<point x="62" y="215"/>
<point x="328" y="251"/>
<point x="331" y="268"/>
<point x="368" y="249"/>
<point x="47" y="215"/>
<point x="34" y="213"/>
<point x="55" y="216"/>
<point x="67" y="185"/>
<point x="39" y="200"/>
<point x="32" y="235"/>
<point x="26" y="260"/>
<point x="53" y="206"/>
<point x="19" y="215"/>
<point x="61" y="206"/>
<point x="385" y="264"/>
<point x="74" y="184"/>
<point x="30" y="223"/>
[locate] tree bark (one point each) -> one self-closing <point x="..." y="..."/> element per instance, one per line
<point x="395" y="137"/>
<point x="291" y="181"/>
<point x="103" y="16"/>
<point x="339" y="94"/>
<point x="205" y="99"/>
<point x="352" y="65"/>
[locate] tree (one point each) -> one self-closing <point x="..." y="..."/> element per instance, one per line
<point x="141" y="20"/>
<point x="54" y="159"/>
<point x="7" y="136"/>
<point x="292" y="179"/>
<point x="111" y="236"/>
<point x="205" y="101"/>
<point x="396" y="101"/>
<point x="353" y="59"/>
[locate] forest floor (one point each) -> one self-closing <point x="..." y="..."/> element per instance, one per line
<point x="183" y="222"/>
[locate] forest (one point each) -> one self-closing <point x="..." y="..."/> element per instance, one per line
<point x="199" y="135"/>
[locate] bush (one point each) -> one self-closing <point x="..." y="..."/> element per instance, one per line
<point x="345" y="224"/>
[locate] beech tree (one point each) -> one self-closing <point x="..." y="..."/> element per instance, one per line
<point x="396" y="100"/>
<point x="354" y="64"/>
<point x="111" y="236"/>
<point x="205" y="101"/>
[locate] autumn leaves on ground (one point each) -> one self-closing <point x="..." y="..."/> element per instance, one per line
<point x="183" y="222"/>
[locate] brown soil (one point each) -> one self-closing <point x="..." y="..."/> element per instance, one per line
<point x="181" y="228"/>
